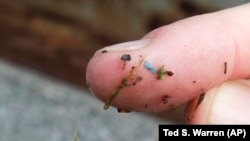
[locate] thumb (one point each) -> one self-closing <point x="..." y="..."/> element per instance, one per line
<point x="226" y="104"/>
<point x="173" y="64"/>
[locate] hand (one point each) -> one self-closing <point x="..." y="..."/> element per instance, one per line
<point x="201" y="58"/>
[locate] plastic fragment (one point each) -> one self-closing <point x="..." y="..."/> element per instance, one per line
<point x="149" y="67"/>
<point x="126" y="57"/>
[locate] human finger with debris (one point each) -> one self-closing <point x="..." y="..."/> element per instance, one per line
<point x="201" y="52"/>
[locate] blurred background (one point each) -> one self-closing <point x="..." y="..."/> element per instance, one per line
<point x="44" y="49"/>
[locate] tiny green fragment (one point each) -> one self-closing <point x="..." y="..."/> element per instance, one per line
<point x="114" y="94"/>
<point x="124" y="83"/>
<point x="160" y="73"/>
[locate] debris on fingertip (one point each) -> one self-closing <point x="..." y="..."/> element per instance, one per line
<point x="104" y="51"/>
<point x="169" y="73"/>
<point x="119" y="110"/>
<point x="149" y="67"/>
<point x="160" y="73"/>
<point x="125" y="58"/>
<point x="131" y="79"/>
<point x="225" y="68"/>
<point x="165" y="99"/>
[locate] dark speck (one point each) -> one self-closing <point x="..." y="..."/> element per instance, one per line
<point x="225" y="67"/>
<point x="165" y="99"/>
<point x="104" y="51"/>
<point x="126" y="57"/>
<point x="169" y="73"/>
<point x="122" y="111"/>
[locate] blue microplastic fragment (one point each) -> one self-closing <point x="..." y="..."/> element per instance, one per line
<point x="149" y="67"/>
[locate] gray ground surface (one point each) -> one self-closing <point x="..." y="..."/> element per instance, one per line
<point x="34" y="107"/>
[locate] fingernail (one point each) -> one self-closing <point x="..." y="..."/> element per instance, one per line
<point x="126" y="46"/>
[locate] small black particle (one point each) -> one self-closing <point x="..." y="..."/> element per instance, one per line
<point x="169" y="73"/>
<point x="126" y="57"/>
<point x="165" y="99"/>
<point x="122" y="111"/>
<point x="104" y="51"/>
<point x="225" y="67"/>
<point x="138" y="79"/>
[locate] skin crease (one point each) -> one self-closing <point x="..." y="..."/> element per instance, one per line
<point x="194" y="49"/>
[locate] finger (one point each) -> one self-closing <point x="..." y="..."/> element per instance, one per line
<point x="226" y="104"/>
<point x="201" y="52"/>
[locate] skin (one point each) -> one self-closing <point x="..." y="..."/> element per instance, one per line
<point x="194" y="49"/>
